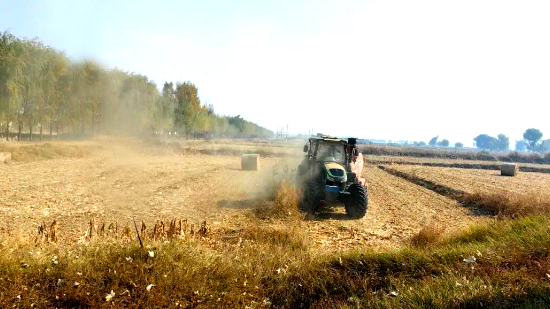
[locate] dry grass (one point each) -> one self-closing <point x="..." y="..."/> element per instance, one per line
<point x="286" y="198"/>
<point x="283" y="203"/>
<point x="260" y="266"/>
<point x="510" y="204"/>
<point x="428" y="235"/>
<point x="29" y="151"/>
<point x="224" y="268"/>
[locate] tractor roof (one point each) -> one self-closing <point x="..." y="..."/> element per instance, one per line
<point x="327" y="138"/>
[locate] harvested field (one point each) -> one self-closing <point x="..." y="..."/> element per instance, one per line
<point x="117" y="184"/>
<point x="118" y="181"/>
<point x="399" y="209"/>
<point x="474" y="180"/>
<point x="458" y="163"/>
<point x="453" y="154"/>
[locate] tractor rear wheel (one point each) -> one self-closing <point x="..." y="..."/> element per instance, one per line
<point x="311" y="197"/>
<point x="357" y="204"/>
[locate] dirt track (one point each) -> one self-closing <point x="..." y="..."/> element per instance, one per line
<point x="116" y="183"/>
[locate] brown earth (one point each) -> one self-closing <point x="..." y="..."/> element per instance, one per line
<point x="118" y="181"/>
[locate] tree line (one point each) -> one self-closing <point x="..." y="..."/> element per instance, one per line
<point x="41" y="89"/>
<point x="532" y="141"/>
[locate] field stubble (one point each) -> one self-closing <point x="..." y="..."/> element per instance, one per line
<point x="117" y="181"/>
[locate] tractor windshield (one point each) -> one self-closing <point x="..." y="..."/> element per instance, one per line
<point x="331" y="152"/>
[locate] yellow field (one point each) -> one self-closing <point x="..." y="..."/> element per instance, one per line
<point x="414" y="161"/>
<point x="115" y="181"/>
<point x="475" y="180"/>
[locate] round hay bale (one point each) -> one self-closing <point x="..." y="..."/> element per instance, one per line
<point x="509" y="169"/>
<point x="250" y="162"/>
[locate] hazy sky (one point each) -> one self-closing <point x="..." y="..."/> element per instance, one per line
<point x="377" y="69"/>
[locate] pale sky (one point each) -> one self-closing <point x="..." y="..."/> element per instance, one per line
<point x="400" y="70"/>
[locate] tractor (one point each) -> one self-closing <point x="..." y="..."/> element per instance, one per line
<point x="330" y="173"/>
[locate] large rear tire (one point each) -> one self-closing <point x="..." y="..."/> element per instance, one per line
<point x="358" y="202"/>
<point x="311" y="197"/>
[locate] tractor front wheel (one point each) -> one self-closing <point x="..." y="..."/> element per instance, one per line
<point x="311" y="197"/>
<point x="357" y="204"/>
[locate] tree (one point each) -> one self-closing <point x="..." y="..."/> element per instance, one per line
<point x="167" y="105"/>
<point x="92" y="80"/>
<point x="484" y="141"/>
<point x="11" y="66"/>
<point x="421" y="143"/>
<point x="187" y="107"/>
<point x="433" y="141"/>
<point x="532" y="137"/>
<point x="444" y="143"/>
<point x="459" y="145"/>
<point x="521" y="145"/>
<point x="55" y="70"/>
<point x="503" y="142"/>
<point x="545" y="145"/>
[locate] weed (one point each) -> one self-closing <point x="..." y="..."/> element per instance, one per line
<point x="509" y="204"/>
<point x="427" y="236"/>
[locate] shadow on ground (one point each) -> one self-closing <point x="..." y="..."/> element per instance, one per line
<point x="328" y="213"/>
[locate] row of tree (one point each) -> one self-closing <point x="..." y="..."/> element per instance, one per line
<point x="41" y="88"/>
<point x="434" y="141"/>
<point x="487" y="142"/>
<point x="532" y="141"/>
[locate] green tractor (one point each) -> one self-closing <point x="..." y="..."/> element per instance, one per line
<point x="331" y="172"/>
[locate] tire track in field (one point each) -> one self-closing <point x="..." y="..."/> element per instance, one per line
<point x="480" y="166"/>
<point x="397" y="210"/>
<point x="460" y="196"/>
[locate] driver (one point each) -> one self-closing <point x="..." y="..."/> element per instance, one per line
<point x="326" y="152"/>
<point x="352" y="151"/>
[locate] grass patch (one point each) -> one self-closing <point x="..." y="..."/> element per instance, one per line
<point x="427" y="235"/>
<point x="263" y="267"/>
<point x="511" y="270"/>
<point x="510" y="204"/>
